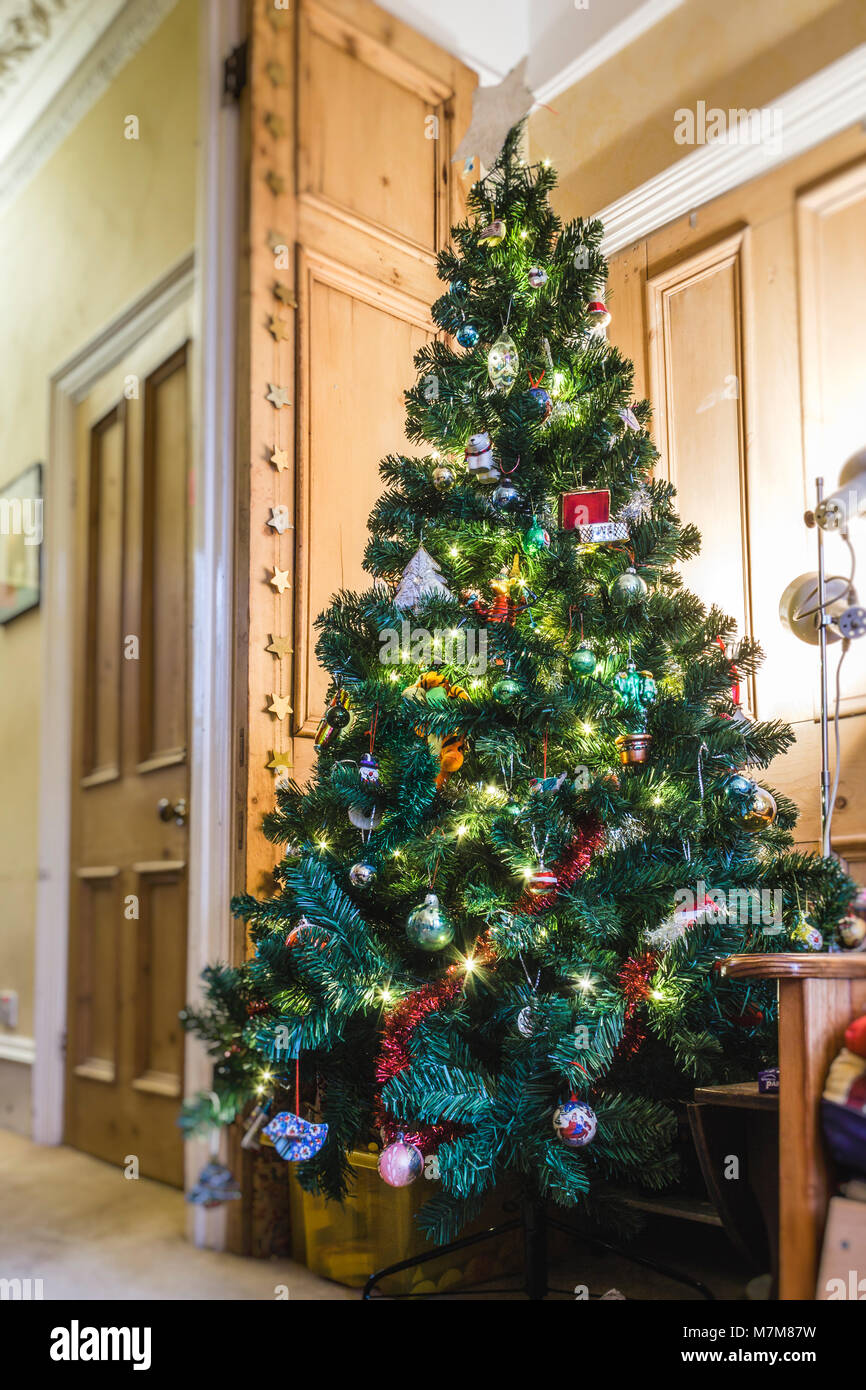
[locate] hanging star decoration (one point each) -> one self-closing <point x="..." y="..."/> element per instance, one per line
<point x="494" y="111"/>
<point x="278" y="395"/>
<point x="280" y="459"/>
<point x="275" y="124"/>
<point x="276" y="241"/>
<point x="279" y="519"/>
<point x="280" y="646"/>
<point x="278" y="325"/>
<point x="276" y="183"/>
<point x="280" y="706"/>
<point x="280" y="580"/>
<point x="285" y="294"/>
<point x="280" y="762"/>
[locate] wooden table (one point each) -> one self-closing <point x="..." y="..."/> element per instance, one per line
<point x="818" y="996"/>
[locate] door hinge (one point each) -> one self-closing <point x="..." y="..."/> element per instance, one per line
<point x="235" y="73"/>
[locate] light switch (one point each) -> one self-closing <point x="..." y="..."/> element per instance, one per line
<point x="9" y="1008"/>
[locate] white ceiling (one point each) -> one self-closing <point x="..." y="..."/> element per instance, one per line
<point x="564" y="39"/>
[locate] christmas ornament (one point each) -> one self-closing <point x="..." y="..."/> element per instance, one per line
<point x="293" y="1138"/>
<point x="434" y="690"/>
<point x="280" y="646"/>
<point x="279" y="519"/>
<point x="536" y="538"/>
<point x="582" y="662"/>
<point x="365" y="820"/>
<point x="754" y="805"/>
<point x="629" y="588"/>
<point x="505" y="495"/>
<point x="633" y="748"/>
<point x="278" y="396"/>
<point x="400" y="1163"/>
<point x="575" y="1123"/>
<point x="495" y="109"/>
<point x="369" y="768"/>
<point x="806" y="934"/>
<point x="281" y="580"/>
<point x="494" y="233"/>
<point x="851" y="932"/>
<point x="537" y="276"/>
<point x="540" y="404"/>
<point x="337" y="716"/>
<point x="541" y="881"/>
<point x="216" y="1184"/>
<point x="683" y="918"/>
<point x="574" y="861"/>
<point x="459" y="289"/>
<point x="637" y="690"/>
<point x="598" y="315"/>
<point x="479" y="459"/>
<point x="503" y="362"/>
<point x="855" y="1036"/>
<point x="279" y="706"/>
<point x="739" y="785"/>
<point x="427" y="926"/>
<point x="588" y="513"/>
<point x="360" y="875"/>
<point x="421" y="579"/>
<point x="467" y="335"/>
<point x="443" y="477"/>
<point x="524" y="1022"/>
<point x="505" y="690"/>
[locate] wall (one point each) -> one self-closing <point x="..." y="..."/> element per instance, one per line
<point x="102" y="220"/>
<point x="614" y="130"/>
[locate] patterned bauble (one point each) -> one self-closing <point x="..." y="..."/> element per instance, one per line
<point x="505" y="495"/>
<point x="541" y="881"/>
<point x="629" y="588"/>
<point x="536" y="538"/>
<point x="540" y="403"/>
<point x="443" y="477"/>
<point x="427" y="927"/>
<point x="582" y="662"/>
<point x="525" y="1026"/>
<point x="807" y="935"/>
<point x="467" y="335"/>
<point x="494" y="233"/>
<point x="365" y="820"/>
<point x="575" y="1123"/>
<point x="503" y="362"/>
<point x="537" y="276"/>
<point x="400" y="1163"/>
<point x="505" y="690"/>
<point x="851" y="932"/>
<point x="360" y="875"/>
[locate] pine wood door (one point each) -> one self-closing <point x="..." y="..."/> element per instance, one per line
<point x="353" y="121"/>
<point x="127" y="940"/>
<point x="744" y="322"/>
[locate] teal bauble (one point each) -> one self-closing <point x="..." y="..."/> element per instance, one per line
<point x="459" y="289"/>
<point x="467" y="335"/>
<point x="582" y="662"/>
<point x="427" y="927"/>
<point x="505" y="690"/>
<point x="739" y="785"/>
<point x="536" y="538"/>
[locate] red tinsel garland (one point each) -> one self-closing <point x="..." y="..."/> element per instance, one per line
<point x="634" y="981"/>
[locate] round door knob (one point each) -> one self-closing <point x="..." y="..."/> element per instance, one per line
<point x="177" y="812"/>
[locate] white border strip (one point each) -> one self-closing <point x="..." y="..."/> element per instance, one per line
<point x="607" y="47"/>
<point x="817" y="109"/>
<point x="15" y="1048"/>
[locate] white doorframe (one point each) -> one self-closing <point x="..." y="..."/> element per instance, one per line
<point x="208" y="280"/>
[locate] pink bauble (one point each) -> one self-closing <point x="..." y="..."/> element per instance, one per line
<point x="400" y="1163"/>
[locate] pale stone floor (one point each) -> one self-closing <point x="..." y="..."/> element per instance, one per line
<point x="88" y="1233"/>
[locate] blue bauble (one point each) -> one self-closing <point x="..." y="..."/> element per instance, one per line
<point x="459" y="289"/>
<point x="542" y="405"/>
<point x="467" y="335"/>
<point x="575" y="1123"/>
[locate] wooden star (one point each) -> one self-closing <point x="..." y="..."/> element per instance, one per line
<point x="279" y="16"/>
<point x="280" y="646"/>
<point x="278" y="324"/>
<point x="276" y="242"/>
<point x="277" y="73"/>
<point x="281" y="580"/>
<point x="494" y="111"/>
<point x="280" y="459"/>
<point x="277" y="126"/>
<point x="281" y="762"/>
<point x="279" y="519"/>
<point x="276" y="183"/>
<point x="280" y="706"/>
<point x="285" y="295"/>
<point x="278" y="396"/>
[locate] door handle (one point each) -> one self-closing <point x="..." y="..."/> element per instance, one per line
<point x="178" y="812"/>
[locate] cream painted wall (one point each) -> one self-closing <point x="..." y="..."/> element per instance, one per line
<point x="102" y="220"/>
<point x="615" y="129"/>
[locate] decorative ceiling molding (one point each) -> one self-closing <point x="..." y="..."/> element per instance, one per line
<point x="67" y="60"/>
<point x="817" y="109"/>
<point x="607" y="47"/>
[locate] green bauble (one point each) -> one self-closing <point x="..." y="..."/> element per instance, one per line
<point x="505" y="690"/>
<point x="427" y="927"/>
<point x="629" y="588"/>
<point x="536" y="538"/>
<point x="582" y="662"/>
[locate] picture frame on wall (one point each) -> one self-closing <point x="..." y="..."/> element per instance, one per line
<point x="21" y="533"/>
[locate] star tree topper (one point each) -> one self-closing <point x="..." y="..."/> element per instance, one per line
<point x="494" y="111"/>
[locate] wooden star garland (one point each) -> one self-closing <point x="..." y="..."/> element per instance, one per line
<point x="276" y="183"/>
<point x="285" y="295"/>
<point x="280" y="706"/>
<point x="280" y="646"/>
<point x="281" y="580"/>
<point x="280" y="459"/>
<point x="281" y="762"/>
<point x="278" y="325"/>
<point x="278" y="396"/>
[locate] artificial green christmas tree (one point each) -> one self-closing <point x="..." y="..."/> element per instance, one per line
<point x="535" y="822"/>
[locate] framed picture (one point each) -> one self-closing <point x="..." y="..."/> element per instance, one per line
<point x="21" y="543"/>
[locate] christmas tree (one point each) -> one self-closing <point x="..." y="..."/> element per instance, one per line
<point x="536" y="820"/>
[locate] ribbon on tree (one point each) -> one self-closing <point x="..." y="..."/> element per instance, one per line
<point x="634" y="979"/>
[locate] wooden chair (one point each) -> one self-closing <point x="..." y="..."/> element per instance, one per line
<point x="818" y="997"/>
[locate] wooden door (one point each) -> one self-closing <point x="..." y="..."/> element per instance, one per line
<point x="127" y="940"/>
<point x="353" y="121"/>
<point x="743" y="321"/>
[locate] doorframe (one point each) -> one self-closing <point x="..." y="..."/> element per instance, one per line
<point x="207" y="280"/>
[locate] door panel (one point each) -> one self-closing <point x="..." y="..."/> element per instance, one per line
<point x="127" y="939"/>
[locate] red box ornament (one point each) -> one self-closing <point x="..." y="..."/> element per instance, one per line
<point x="588" y="513"/>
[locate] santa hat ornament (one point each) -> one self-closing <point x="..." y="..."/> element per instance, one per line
<point x="598" y="315"/>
